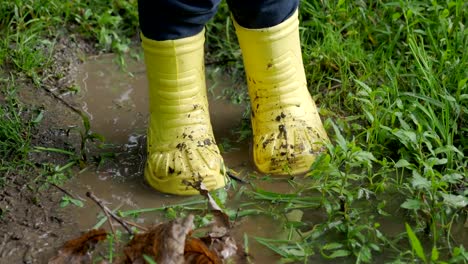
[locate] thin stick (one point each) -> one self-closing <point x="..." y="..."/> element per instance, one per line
<point x="142" y="228"/>
<point x="64" y="191"/>
<point x="109" y="220"/>
<point x="60" y="99"/>
<point x="234" y="177"/>
<point x="105" y="209"/>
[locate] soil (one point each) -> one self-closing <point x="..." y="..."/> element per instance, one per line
<point x="32" y="224"/>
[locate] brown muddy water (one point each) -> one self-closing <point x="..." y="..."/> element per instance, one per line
<point x="117" y="104"/>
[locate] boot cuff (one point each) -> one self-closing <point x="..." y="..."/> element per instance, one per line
<point x="287" y="27"/>
<point x="173" y="47"/>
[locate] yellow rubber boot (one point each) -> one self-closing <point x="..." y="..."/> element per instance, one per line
<point x="181" y="146"/>
<point x="286" y="127"/>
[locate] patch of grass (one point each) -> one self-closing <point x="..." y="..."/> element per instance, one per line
<point x="15" y="134"/>
<point x="392" y="75"/>
<point x="30" y="30"/>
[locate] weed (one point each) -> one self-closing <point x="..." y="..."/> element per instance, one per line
<point x="14" y="132"/>
<point x="16" y="127"/>
<point x="67" y="200"/>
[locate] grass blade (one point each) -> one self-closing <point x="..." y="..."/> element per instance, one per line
<point x="415" y="243"/>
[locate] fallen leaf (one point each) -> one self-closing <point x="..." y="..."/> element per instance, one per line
<point x="165" y="243"/>
<point x="219" y="238"/>
<point x="197" y="252"/>
<point x="225" y="247"/>
<point x="77" y="251"/>
<point x="170" y="243"/>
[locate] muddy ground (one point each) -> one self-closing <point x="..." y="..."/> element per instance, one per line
<point x="32" y="224"/>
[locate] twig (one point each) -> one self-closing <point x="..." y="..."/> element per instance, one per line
<point x="67" y="104"/>
<point x="105" y="209"/>
<point x="64" y="191"/>
<point x="234" y="177"/>
<point x="109" y="220"/>
<point x="142" y="228"/>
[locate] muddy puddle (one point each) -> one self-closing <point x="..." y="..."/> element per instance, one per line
<point x="117" y="105"/>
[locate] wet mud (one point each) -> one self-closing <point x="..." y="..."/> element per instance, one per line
<point x="32" y="225"/>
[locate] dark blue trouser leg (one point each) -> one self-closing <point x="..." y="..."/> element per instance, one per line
<point x="256" y="14"/>
<point x="175" y="19"/>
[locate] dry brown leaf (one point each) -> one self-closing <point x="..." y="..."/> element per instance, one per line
<point x="164" y="243"/>
<point x="219" y="238"/>
<point x="169" y="243"/>
<point x="145" y="243"/>
<point x="77" y="251"/>
<point x="196" y="252"/>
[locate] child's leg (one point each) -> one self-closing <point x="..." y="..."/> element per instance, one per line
<point x="261" y="13"/>
<point x="174" y="19"/>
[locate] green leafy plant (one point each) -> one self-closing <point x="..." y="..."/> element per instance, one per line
<point x="67" y="200"/>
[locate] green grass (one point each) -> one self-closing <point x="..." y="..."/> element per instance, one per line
<point x="14" y="136"/>
<point x="390" y="78"/>
<point x="29" y="31"/>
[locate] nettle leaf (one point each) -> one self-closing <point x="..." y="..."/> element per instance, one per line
<point x="339" y="254"/>
<point x="420" y="182"/>
<point x="437" y="161"/>
<point x="339" y="138"/>
<point x="406" y="136"/>
<point x="452" y="178"/>
<point x="64" y="203"/>
<point x="402" y="163"/>
<point x="331" y="246"/>
<point x="369" y="116"/>
<point x="365" y="254"/>
<point x="411" y="204"/>
<point x="77" y="202"/>
<point x="456" y="201"/>
<point x="447" y="149"/>
<point x="364" y="156"/>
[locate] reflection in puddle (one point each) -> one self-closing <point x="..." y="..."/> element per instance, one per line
<point x="118" y="107"/>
